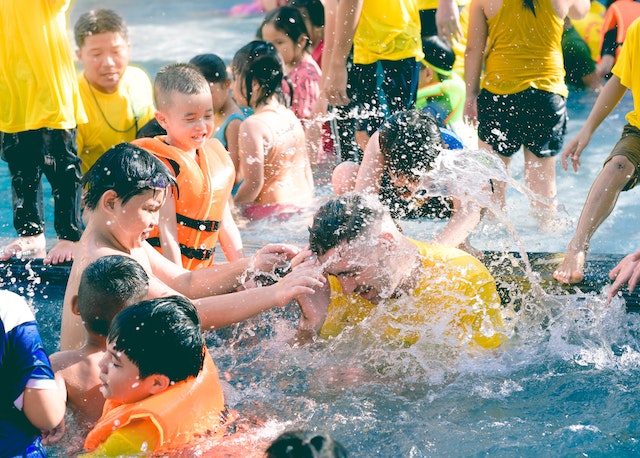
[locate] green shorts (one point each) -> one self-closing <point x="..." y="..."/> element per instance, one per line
<point x="629" y="147"/>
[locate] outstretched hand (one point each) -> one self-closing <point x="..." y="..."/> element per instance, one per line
<point x="573" y="151"/>
<point x="305" y="278"/>
<point x="627" y="271"/>
<point x="268" y="257"/>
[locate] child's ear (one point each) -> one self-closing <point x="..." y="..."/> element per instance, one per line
<point x="74" y="305"/>
<point x="159" y="383"/>
<point x="108" y="200"/>
<point x="162" y="119"/>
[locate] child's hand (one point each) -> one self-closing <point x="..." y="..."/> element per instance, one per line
<point x="270" y="255"/>
<point x="304" y="279"/>
<point x="627" y="271"/>
<point x="54" y="435"/>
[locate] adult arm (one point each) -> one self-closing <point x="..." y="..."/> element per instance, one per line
<point x="448" y="21"/>
<point x="473" y="57"/>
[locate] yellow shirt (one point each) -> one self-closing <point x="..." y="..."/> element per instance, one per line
<point x="590" y="28"/>
<point x="525" y="50"/>
<point x="433" y="4"/>
<point x="38" y="83"/>
<point x="113" y="118"/>
<point x="627" y="68"/>
<point x="387" y="30"/>
<point x="456" y="290"/>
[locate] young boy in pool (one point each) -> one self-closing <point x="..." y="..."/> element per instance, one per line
<point x="124" y="192"/>
<point x="190" y="222"/>
<point x="620" y="170"/>
<point x="161" y="386"/>
<point x="107" y="285"/>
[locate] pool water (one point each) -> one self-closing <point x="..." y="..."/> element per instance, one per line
<point x="565" y="384"/>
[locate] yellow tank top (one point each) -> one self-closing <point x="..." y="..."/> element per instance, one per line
<point x="387" y="30"/>
<point x="627" y="68"/>
<point x="433" y="4"/>
<point x="38" y="83"/>
<point x="456" y="290"/>
<point x="525" y="50"/>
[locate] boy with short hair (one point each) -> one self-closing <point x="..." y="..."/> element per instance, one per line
<point x="124" y="191"/>
<point x="118" y="97"/>
<point x="161" y="386"/>
<point x="190" y="222"/>
<point x="107" y="285"/>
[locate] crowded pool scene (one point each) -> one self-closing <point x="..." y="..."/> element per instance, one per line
<point x="519" y="353"/>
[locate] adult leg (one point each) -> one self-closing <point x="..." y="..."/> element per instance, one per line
<point x="601" y="200"/>
<point x="499" y="187"/>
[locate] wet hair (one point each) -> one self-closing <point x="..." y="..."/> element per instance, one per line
<point x="259" y="61"/>
<point x="530" y="5"/>
<point x="182" y="78"/>
<point x="211" y="66"/>
<point x="289" y="21"/>
<point x="343" y="219"/>
<point x="313" y="8"/>
<point x="305" y="444"/>
<point x="410" y="141"/>
<point x="108" y="285"/>
<point x="160" y="336"/>
<point x="439" y="55"/>
<point x="98" y="21"/>
<point x="129" y="171"/>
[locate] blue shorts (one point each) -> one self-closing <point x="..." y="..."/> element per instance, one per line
<point x="533" y="118"/>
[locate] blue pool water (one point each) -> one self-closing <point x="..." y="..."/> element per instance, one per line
<point x="566" y="384"/>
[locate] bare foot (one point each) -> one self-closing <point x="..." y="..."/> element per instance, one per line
<point x="572" y="268"/>
<point x="32" y="246"/>
<point x="61" y="252"/>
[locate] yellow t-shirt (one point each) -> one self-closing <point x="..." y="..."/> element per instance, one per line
<point x="387" y="30"/>
<point x="38" y="83"/>
<point x="456" y="290"/>
<point x="113" y="118"/>
<point x="627" y="68"/>
<point x="525" y="50"/>
<point x="590" y="28"/>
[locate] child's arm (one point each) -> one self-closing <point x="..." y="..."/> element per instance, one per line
<point x="627" y="271"/>
<point x="464" y="219"/>
<point x="168" y="228"/>
<point x="372" y="167"/>
<point x="609" y="97"/>
<point x="251" y="153"/>
<point x="45" y="408"/>
<point x="229" y="237"/>
<point x="231" y="135"/>
<point x="473" y="57"/>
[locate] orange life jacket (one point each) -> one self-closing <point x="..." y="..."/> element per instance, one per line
<point x="181" y="412"/>
<point x="620" y="14"/>
<point x="203" y="191"/>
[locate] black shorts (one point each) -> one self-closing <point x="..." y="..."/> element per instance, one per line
<point x="533" y="118"/>
<point x="629" y="147"/>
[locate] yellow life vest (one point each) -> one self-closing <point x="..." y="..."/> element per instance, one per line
<point x="177" y="415"/>
<point x="620" y="14"/>
<point x="203" y="191"/>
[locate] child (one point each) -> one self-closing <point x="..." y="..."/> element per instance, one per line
<point x="396" y="160"/>
<point x="31" y="398"/>
<point x="440" y="90"/>
<point x="160" y="384"/>
<point x="620" y="170"/>
<point x="107" y="285"/>
<point x="273" y="156"/>
<point x="285" y="29"/>
<point x="124" y="192"/>
<point x="190" y="222"/>
<point x="305" y="444"/>
<point x="312" y="12"/>
<point x="118" y="97"/>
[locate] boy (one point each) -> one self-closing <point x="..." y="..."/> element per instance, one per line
<point x="125" y="190"/>
<point x="160" y="384"/>
<point x="40" y="111"/>
<point x="404" y="290"/>
<point x="31" y="398"/>
<point x="107" y="285"/>
<point x="117" y="97"/>
<point x="190" y="222"/>
<point x="620" y="170"/>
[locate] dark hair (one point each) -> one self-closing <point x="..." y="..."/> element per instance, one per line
<point x="108" y="285"/>
<point x="160" y="336"/>
<point x="530" y="5"/>
<point x="181" y="78"/>
<point x="305" y="444"/>
<point x="438" y="54"/>
<point x="313" y="8"/>
<point x="343" y="219"/>
<point x="129" y="171"/>
<point x="289" y="21"/>
<point x="211" y="66"/>
<point x="98" y="21"/>
<point x="260" y="61"/>
<point x="410" y="141"/>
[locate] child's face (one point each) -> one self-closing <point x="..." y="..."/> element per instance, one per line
<point x="289" y="50"/>
<point x="188" y="120"/>
<point x="219" y="94"/>
<point x="105" y="57"/>
<point x="237" y="89"/>
<point x="120" y="378"/>
<point x="134" y="220"/>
